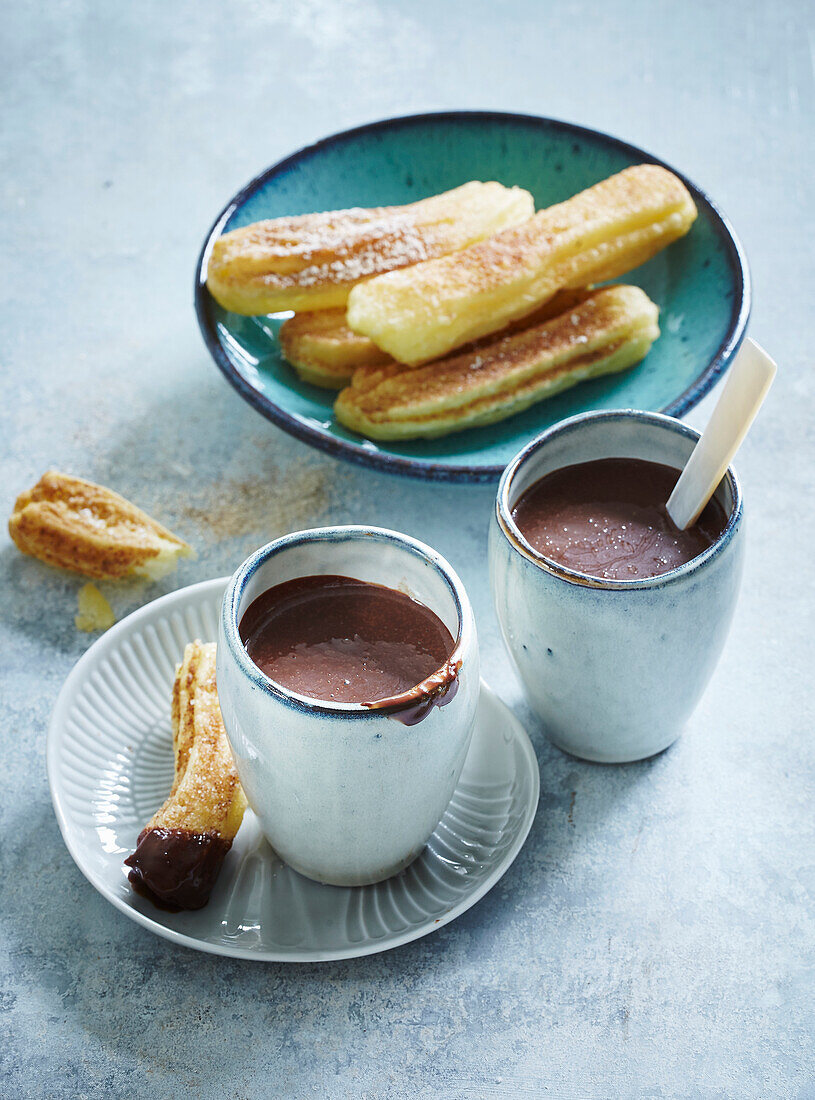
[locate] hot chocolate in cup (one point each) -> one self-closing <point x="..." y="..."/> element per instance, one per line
<point x="613" y="639"/>
<point x="347" y="792"/>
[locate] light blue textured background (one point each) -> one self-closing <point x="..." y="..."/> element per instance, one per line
<point x="655" y="937"/>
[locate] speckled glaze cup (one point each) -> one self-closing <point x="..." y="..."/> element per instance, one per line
<point x="346" y="794"/>
<point x="612" y="668"/>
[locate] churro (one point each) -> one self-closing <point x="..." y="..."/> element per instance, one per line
<point x="431" y="308"/>
<point x="323" y="349"/>
<point x="180" y="851"/>
<point x="611" y="330"/>
<point x="311" y="261"/>
<point x="326" y="352"/>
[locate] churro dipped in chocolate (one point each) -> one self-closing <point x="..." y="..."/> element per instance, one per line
<point x="427" y="310"/>
<point x="181" y="849"/>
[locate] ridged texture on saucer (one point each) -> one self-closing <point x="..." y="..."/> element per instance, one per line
<point x="311" y="261"/>
<point x="111" y="766"/>
<point x="75" y="524"/>
<point x="326" y="352"/>
<point x="612" y="329"/>
<point x="429" y="309"/>
<point x="182" y="847"/>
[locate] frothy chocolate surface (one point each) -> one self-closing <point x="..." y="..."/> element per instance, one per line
<point x="344" y="640"/>
<point x="607" y="519"/>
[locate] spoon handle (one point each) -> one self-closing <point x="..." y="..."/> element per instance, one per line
<point x="744" y="391"/>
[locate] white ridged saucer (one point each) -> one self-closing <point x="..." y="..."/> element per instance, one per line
<point x="110" y="766"/>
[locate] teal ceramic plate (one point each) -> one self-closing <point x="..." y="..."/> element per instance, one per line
<point x="700" y="283"/>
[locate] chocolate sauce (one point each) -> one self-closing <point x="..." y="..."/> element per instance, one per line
<point x="435" y="691"/>
<point x="176" y="869"/>
<point x="607" y="519"/>
<point x="347" y="641"/>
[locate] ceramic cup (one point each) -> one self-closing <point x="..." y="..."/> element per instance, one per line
<point x="613" y="669"/>
<point x="345" y="794"/>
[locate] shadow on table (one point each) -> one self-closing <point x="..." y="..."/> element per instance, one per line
<point x="202" y="462"/>
<point x="228" y="479"/>
<point x="161" y="1013"/>
<point x="41" y="602"/>
<point x="199" y="461"/>
<point x="198" y="1019"/>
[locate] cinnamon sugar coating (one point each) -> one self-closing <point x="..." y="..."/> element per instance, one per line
<point x="75" y="524"/>
<point x="610" y="330"/>
<point x="311" y="261"/>
<point x="428" y="310"/>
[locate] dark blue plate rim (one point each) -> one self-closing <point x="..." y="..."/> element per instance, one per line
<point x="443" y="471"/>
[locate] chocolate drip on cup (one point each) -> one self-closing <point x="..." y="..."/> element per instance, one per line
<point x="414" y="705"/>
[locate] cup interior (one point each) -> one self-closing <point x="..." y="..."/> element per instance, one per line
<point x="592" y="436"/>
<point x="368" y="554"/>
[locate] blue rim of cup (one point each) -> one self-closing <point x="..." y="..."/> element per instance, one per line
<point x="385" y="461"/>
<point x="512" y="533"/>
<point x="346" y="533"/>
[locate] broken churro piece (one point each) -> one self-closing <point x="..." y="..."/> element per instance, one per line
<point x="74" y="524"/>
<point x="180" y="851"/>
<point x="311" y="261"/>
<point x="611" y="330"/>
<point x="427" y="310"/>
<point x="94" y="612"/>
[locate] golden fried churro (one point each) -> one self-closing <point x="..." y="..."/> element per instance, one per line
<point x="311" y="261"/>
<point x="611" y="330"/>
<point x="326" y="352"/>
<point x="427" y="310"/>
<point x="77" y="525"/>
<point x="181" y="849"/>
<point x="323" y="349"/>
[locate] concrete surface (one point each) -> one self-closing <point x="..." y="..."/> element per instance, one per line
<point x="655" y="937"/>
